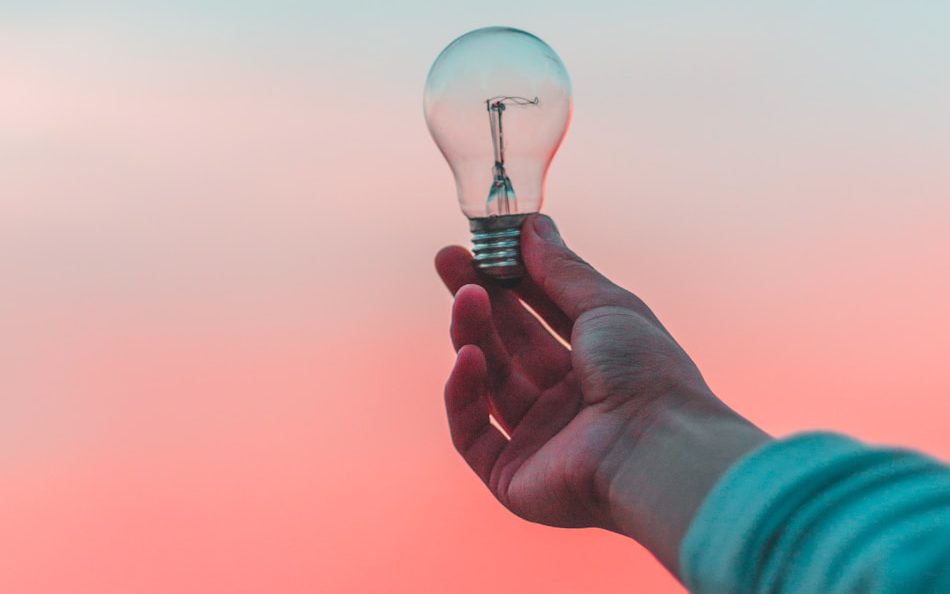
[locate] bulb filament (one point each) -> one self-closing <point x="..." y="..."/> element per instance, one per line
<point x="501" y="188"/>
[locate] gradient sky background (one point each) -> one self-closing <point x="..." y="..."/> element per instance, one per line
<point x="222" y="343"/>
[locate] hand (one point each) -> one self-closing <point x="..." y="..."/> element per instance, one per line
<point x="575" y="415"/>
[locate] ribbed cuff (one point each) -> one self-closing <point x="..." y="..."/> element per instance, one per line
<point x="730" y="534"/>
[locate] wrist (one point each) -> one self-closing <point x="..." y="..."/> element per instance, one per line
<point x="665" y="461"/>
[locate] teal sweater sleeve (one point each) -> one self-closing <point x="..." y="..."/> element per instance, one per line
<point x="819" y="513"/>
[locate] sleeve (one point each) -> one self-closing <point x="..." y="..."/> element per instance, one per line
<point x="822" y="513"/>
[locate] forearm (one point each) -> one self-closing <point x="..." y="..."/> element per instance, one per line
<point x="668" y="459"/>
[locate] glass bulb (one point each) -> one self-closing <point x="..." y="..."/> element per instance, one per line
<point x="498" y="103"/>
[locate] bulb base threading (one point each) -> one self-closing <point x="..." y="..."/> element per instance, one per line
<point x="496" y="243"/>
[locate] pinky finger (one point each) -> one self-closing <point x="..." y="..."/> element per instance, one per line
<point x="466" y="402"/>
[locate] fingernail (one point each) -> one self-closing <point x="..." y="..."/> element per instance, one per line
<point x="547" y="230"/>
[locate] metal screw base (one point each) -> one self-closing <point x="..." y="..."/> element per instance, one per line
<point x="496" y="243"/>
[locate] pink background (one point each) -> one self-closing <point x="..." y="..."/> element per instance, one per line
<point x="222" y="344"/>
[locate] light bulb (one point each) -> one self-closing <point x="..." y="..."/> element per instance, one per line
<point x="498" y="103"/>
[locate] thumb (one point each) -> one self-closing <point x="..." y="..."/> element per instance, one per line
<point x="567" y="280"/>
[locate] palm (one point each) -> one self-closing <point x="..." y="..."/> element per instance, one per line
<point x="559" y="405"/>
<point x="550" y="478"/>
